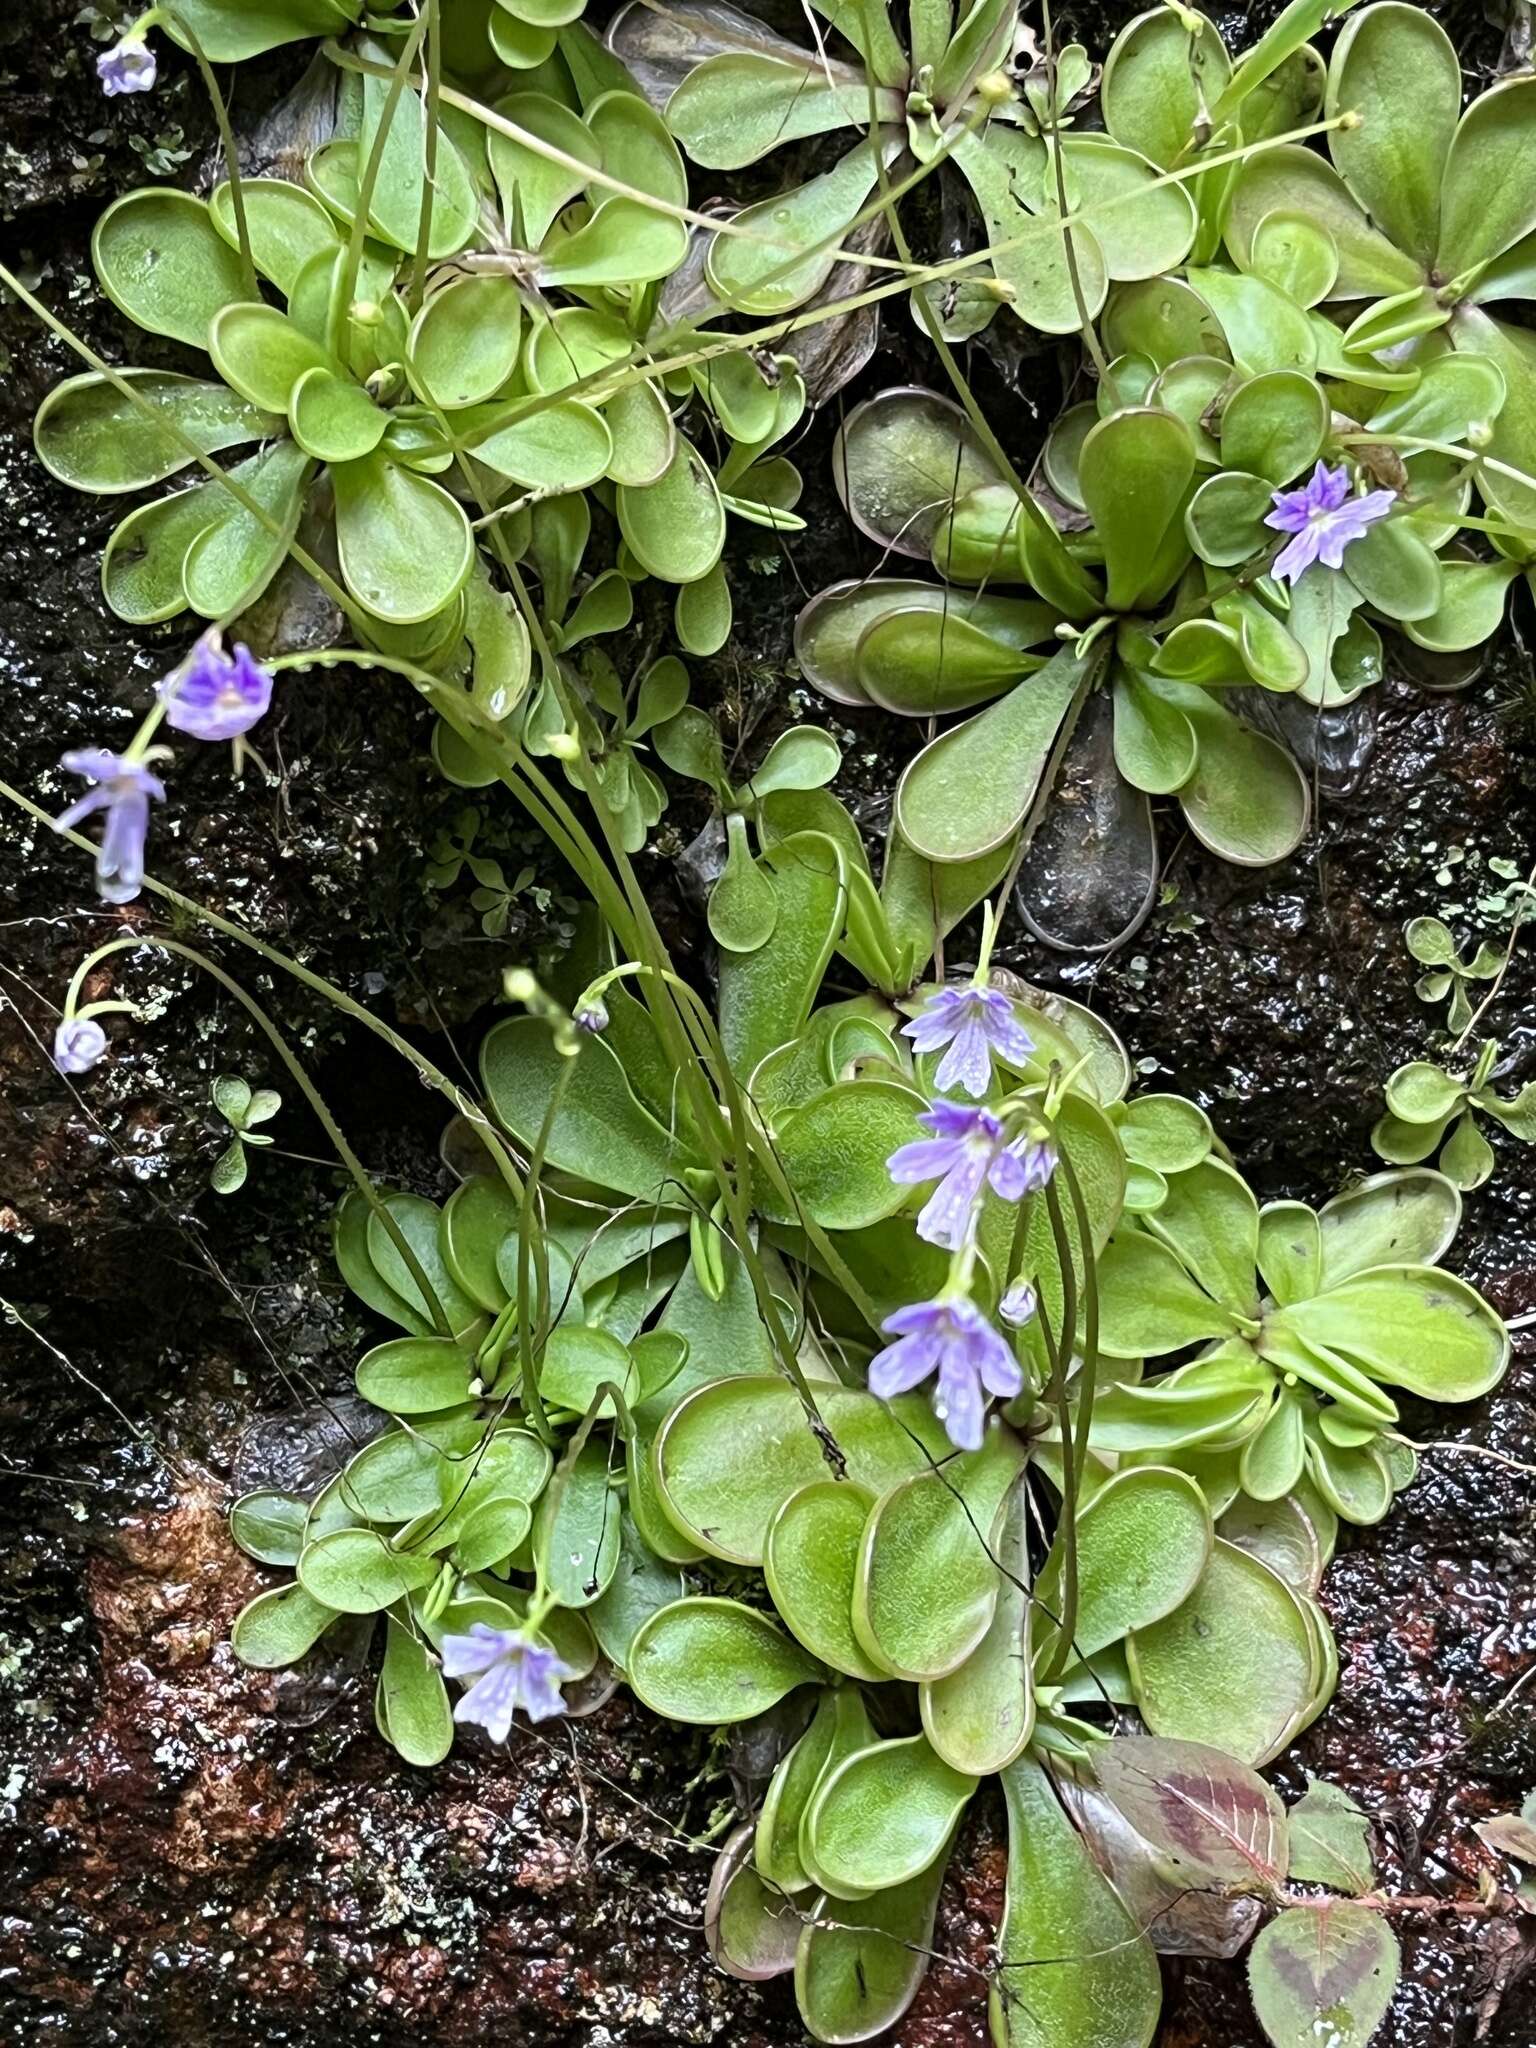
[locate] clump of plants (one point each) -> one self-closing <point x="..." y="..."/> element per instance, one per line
<point x="845" y="1339"/>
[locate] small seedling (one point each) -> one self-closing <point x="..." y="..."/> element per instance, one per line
<point x="242" y="1108"/>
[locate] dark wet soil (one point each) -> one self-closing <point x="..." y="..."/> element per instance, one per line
<point x="194" y="1854"/>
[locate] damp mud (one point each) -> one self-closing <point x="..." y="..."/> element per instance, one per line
<point x="196" y="1854"/>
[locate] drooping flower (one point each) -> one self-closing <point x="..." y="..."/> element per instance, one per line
<point x="511" y="1671"/>
<point x="1324" y="519"/>
<point x="974" y="1023"/>
<point x="123" y="789"/>
<point x="129" y="66"/>
<point x="950" y="1337"/>
<point x="217" y="696"/>
<point x="1018" y="1305"/>
<point x="591" y="1016"/>
<point x="78" y="1044"/>
<point x="968" y="1151"/>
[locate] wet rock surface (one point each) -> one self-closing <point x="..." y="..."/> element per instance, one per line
<point x="194" y="1853"/>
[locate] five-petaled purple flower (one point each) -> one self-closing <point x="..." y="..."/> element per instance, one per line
<point x="123" y="789"/>
<point x="953" y="1338"/>
<point x="217" y="696"/>
<point x="968" y="1150"/>
<point x="78" y="1044"/>
<point x="511" y="1672"/>
<point x="974" y="1023"/>
<point x="129" y="66"/>
<point x="1324" y="519"/>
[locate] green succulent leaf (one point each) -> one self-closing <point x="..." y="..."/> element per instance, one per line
<point x="161" y="260"/>
<point x="355" y="1571"/>
<point x="269" y="1526"/>
<point x="1075" y="1970"/>
<point x="93" y="437"/>
<point x="1397" y="67"/>
<point x="411" y="1703"/>
<point x="809" y="1562"/>
<point x="576" y="1528"/>
<point x="883" y="1816"/>
<point x="732" y="1452"/>
<point x="1235" y="1667"/>
<point x="1487" y="201"/>
<point x="1143" y="1541"/>
<point x="1413" y="1326"/>
<point x="968" y="790"/>
<point x="857" y="1972"/>
<point x="980" y="1717"/>
<point x="279" y="1627"/>
<point x="839" y="1727"/>
<point x="927" y="1583"/>
<point x="712" y="1661"/>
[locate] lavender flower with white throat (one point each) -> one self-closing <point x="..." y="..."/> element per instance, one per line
<point x="1324" y="519"/>
<point x="214" y="695"/>
<point x="512" y="1674"/>
<point x="949" y="1337"/>
<point x="976" y="1024"/>
<point x="129" y="66"/>
<point x="968" y="1151"/>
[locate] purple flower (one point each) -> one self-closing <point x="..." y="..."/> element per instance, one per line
<point x="122" y="789"/>
<point x="591" y="1016"/>
<point x="974" y="1023"/>
<point x="511" y="1672"/>
<point x="953" y="1338"/>
<point x="129" y="66"/>
<point x="78" y="1044"/>
<point x="1325" y="519"/>
<point x="966" y="1152"/>
<point x="1018" y="1305"/>
<point x="217" y="696"/>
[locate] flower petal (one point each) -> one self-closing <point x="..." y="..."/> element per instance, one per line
<point x="947" y="1215"/>
<point x="902" y="1366"/>
<point x="924" y="1159"/>
<point x="968" y="1063"/>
